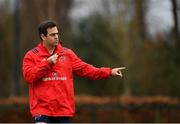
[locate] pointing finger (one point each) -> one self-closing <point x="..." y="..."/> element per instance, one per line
<point x="121" y="68"/>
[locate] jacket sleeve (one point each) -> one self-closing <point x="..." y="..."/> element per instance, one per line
<point x="33" y="72"/>
<point x="83" y="69"/>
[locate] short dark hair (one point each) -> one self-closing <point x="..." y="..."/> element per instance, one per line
<point x="44" y="26"/>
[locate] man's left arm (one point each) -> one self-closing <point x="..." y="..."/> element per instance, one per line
<point x="83" y="69"/>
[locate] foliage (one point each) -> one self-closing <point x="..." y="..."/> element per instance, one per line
<point x="103" y="109"/>
<point x="95" y="44"/>
<point x="152" y="64"/>
<point x="111" y="39"/>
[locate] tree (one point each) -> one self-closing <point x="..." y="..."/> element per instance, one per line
<point x="175" y="9"/>
<point x="6" y="50"/>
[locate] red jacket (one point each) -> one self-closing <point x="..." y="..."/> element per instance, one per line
<point x="51" y="87"/>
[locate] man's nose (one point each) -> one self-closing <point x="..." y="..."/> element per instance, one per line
<point x="56" y="36"/>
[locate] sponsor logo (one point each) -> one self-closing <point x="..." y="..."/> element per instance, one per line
<point x="54" y="78"/>
<point x="62" y="58"/>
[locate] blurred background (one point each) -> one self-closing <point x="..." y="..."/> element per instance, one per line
<point x="142" y="35"/>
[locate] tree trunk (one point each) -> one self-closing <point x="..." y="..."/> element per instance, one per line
<point x="140" y="8"/>
<point x="176" y="24"/>
<point x="51" y="9"/>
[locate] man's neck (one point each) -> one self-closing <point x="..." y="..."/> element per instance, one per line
<point x="49" y="48"/>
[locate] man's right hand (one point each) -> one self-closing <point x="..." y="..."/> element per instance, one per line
<point x="118" y="71"/>
<point x="52" y="59"/>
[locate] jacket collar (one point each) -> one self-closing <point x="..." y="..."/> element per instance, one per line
<point x="57" y="50"/>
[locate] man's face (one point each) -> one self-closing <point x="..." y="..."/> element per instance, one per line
<point x="51" y="39"/>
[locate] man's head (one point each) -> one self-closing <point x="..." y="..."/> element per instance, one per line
<point x="43" y="27"/>
<point x="48" y="32"/>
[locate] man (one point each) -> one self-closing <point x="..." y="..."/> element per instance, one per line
<point x="48" y="69"/>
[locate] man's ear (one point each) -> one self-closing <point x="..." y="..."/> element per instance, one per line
<point x="43" y="36"/>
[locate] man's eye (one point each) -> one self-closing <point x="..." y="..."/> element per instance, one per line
<point x="53" y="34"/>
